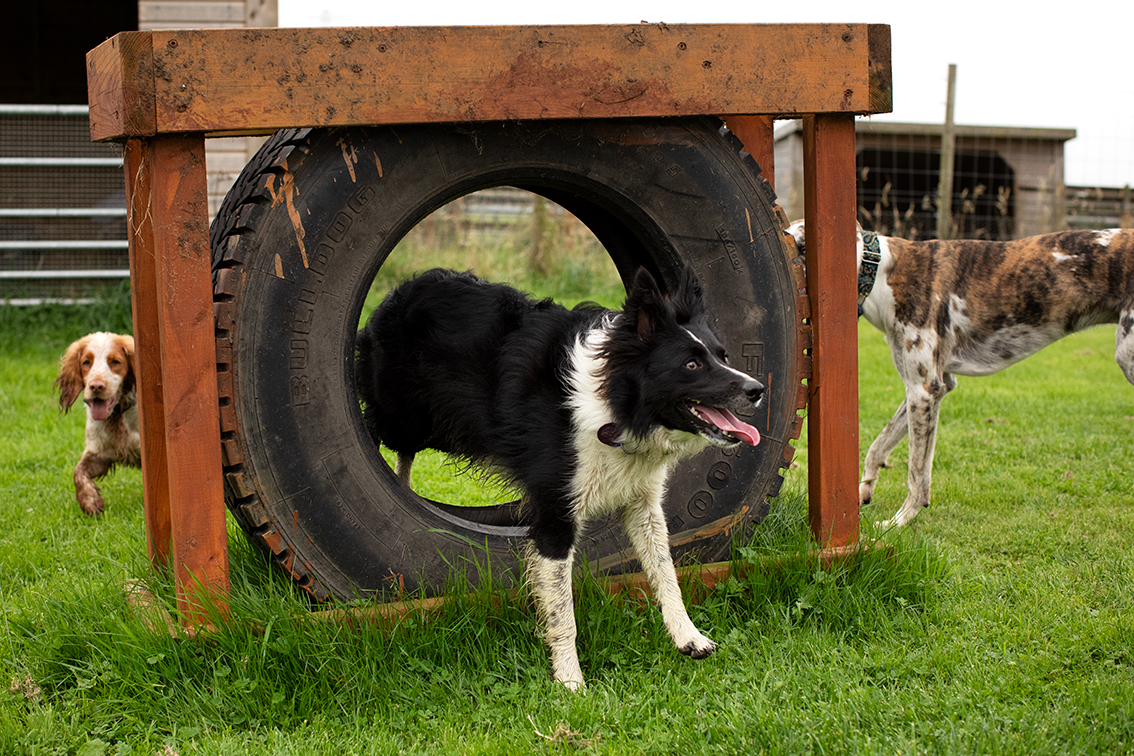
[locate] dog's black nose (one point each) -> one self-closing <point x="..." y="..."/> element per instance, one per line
<point x="754" y="390"/>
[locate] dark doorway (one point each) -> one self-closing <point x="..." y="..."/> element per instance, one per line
<point x="43" y="55"/>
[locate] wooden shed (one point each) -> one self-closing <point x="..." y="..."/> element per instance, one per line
<point x="1007" y="182"/>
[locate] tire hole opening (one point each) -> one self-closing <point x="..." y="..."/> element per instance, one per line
<point x="505" y="235"/>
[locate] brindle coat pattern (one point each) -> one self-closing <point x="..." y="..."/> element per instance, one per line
<point x="973" y="308"/>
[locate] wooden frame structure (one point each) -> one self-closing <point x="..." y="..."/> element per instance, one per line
<point x="164" y="92"/>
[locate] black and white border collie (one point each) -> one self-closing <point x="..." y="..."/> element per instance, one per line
<point x="585" y="411"/>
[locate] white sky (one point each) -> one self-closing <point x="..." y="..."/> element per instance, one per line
<point x="1063" y="65"/>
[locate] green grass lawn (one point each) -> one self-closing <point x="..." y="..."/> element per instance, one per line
<point x="1002" y="621"/>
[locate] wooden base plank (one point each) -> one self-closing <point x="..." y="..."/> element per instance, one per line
<point x="699" y="581"/>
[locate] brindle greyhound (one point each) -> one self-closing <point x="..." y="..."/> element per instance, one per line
<point x="970" y="307"/>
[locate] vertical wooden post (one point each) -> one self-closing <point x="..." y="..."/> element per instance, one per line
<point x="172" y="296"/>
<point x="138" y="160"/>
<point x="757" y="134"/>
<point x="832" y="418"/>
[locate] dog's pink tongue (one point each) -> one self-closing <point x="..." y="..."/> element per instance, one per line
<point x="100" y="409"/>
<point x="729" y="422"/>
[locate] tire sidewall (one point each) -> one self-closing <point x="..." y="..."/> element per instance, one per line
<point x="340" y="207"/>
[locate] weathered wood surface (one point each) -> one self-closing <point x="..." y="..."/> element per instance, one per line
<point x="832" y="418"/>
<point x="233" y="81"/>
<point x="138" y="161"/>
<point x="120" y="86"/>
<point x="171" y="289"/>
<point x="757" y="134"/>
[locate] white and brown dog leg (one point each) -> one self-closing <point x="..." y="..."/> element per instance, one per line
<point x="645" y="525"/>
<point x="1124" y="343"/>
<point x="90" y="466"/>
<point x="550" y="581"/>
<point x="923" y="405"/>
<point x="878" y="456"/>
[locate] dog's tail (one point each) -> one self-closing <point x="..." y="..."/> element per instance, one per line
<point x="363" y="360"/>
<point x="364" y="356"/>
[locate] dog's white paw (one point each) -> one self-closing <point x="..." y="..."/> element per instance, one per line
<point x="565" y="669"/>
<point x="900" y="519"/>
<point x="697" y="647"/>
<point x="575" y="686"/>
<point x="571" y="680"/>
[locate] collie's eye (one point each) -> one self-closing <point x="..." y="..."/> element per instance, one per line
<point x="693" y="364"/>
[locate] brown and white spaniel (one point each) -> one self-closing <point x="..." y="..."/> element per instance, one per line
<point x="100" y="368"/>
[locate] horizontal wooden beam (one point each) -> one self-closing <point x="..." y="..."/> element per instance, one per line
<point x="242" y="81"/>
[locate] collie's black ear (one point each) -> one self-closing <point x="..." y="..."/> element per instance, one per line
<point x="645" y="305"/>
<point x="689" y="301"/>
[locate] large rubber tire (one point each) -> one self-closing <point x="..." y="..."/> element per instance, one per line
<point x="298" y="241"/>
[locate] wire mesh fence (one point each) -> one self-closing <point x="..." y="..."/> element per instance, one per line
<point x="63" y="224"/>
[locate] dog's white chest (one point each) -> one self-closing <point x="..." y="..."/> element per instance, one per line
<point x="608" y="479"/>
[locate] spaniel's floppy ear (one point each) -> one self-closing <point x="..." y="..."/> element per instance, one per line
<point x="70" y="380"/>
<point x="130" y="381"/>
